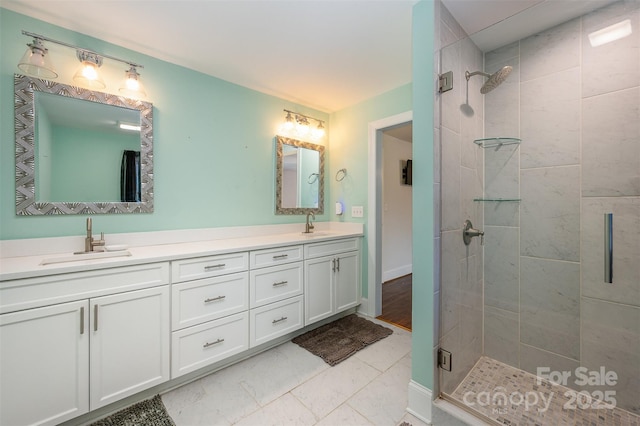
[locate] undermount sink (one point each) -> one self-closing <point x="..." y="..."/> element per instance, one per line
<point x="85" y="256"/>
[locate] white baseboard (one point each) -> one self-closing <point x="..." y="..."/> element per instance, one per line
<point x="364" y="307"/>
<point x="420" y="400"/>
<point x="394" y="273"/>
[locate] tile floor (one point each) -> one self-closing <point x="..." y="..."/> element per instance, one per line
<point x="287" y="385"/>
<point x="529" y="401"/>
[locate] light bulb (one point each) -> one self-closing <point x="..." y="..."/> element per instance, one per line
<point x="132" y="86"/>
<point x="88" y="75"/>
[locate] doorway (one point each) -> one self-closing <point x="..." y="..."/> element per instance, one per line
<point x="390" y="239"/>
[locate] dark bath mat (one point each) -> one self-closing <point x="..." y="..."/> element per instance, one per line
<point x="338" y="340"/>
<point x="145" y="413"/>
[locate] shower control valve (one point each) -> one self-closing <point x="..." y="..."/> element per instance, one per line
<point x="469" y="232"/>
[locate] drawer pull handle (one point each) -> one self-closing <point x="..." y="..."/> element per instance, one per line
<point x="213" y="299"/>
<point x="280" y="283"/>
<point x="210" y="267"/>
<point x="279" y="320"/>
<point x="338" y="264"/>
<point x="206" y="345"/>
<point x="280" y="256"/>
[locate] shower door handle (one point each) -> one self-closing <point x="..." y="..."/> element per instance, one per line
<point x="608" y="248"/>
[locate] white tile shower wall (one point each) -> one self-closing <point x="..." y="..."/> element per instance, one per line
<point x="577" y="109"/>
<point x="461" y="172"/>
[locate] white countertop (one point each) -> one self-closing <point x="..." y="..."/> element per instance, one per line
<point x="180" y="245"/>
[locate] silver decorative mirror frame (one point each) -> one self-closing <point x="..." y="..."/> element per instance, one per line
<point x="25" y="145"/>
<point x="280" y="141"/>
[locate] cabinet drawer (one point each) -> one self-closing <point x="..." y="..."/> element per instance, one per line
<point x="276" y="283"/>
<point x="28" y="293"/>
<point x="331" y="247"/>
<point x="275" y="320"/>
<point x="202" y="345"/>
<point x="210" y="266"/>
<point x="275" y="256"/>
<point x="195" y="302"/>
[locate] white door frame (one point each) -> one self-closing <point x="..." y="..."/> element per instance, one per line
<point x="374" y="223"/>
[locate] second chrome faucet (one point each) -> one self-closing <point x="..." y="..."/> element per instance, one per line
<point x="308" y="227"/>
<point x="90" y="243"/>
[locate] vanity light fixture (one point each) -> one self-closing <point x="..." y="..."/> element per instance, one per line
<point x="36" y="62"/>
<point x="132" y="86"/>
<point x="301" y="125"/>
<point x="88" y="74"/>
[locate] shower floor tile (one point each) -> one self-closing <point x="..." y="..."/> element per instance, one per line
<point x="514" y="397"/>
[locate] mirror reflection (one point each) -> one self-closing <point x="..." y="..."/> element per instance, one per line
<point x="78" y="138"/>
<point x="80" y="151"/>
<point x="299" y="177"/>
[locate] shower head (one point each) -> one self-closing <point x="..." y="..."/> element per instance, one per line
<point x="494" y="80"/>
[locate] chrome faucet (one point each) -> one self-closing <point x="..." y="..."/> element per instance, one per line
<point x="89" y="242"/>
<point x="308" y="227"/>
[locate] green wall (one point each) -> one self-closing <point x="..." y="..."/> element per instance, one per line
<point x="214" y="148"/>
<point x="423" y="206"/>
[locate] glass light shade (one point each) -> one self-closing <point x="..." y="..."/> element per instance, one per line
<point x="132" y="87"/>
<point x="36" y="62"/>
<point x="88" y="76"/>
<point x="287" y="126"/>
<point x="302" y="126"/>
<point x="318" y="132"/>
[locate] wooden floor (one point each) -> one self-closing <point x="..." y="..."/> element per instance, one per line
<point x="396" y="302"/>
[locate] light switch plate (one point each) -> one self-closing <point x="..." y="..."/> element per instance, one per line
<point x="357" y="211"/>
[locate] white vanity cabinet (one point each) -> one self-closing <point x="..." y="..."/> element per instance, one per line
<point x="44" y="364"/>
<point x="108" y="339"/>
<point x="129" y="344"/>
<point x="331" y="278"/>
<point x="276" y="288"/>
<point x="210" y="303"/>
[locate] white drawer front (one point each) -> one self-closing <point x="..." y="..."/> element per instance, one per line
<point x="269" y="285"/>
<point x="211" y="266"/>
<point x="205" y="344"/>
<point x="42" y="291"/>
<point x="195" y="302"/>
<point x="331" y="247"/>
<point x="275" y="320"/>
<point x="275" y="256"/>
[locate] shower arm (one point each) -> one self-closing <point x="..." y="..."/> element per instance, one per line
<point x="468" y="74"/>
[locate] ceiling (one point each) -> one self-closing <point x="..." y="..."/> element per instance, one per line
<point x="325" y="54"/>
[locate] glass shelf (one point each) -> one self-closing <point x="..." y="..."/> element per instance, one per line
<point x="497" y="199"/>
<point x="493" y="142"/>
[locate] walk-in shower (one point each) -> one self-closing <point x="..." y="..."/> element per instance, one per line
<point x="541" y="323"/>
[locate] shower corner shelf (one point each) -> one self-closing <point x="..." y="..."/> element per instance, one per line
<point x="493" y="142"/>
<point x="515" y="200"/>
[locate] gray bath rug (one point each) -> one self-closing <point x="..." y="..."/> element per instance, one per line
<point x="338" y="340"/>
<point x="145" y="413"/>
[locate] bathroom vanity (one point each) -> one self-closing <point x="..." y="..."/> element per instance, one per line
<point x="79" y="335"/>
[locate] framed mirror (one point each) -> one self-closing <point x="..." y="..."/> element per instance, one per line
<point x="80" y="151"/>
<point x="299" y="177"/>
